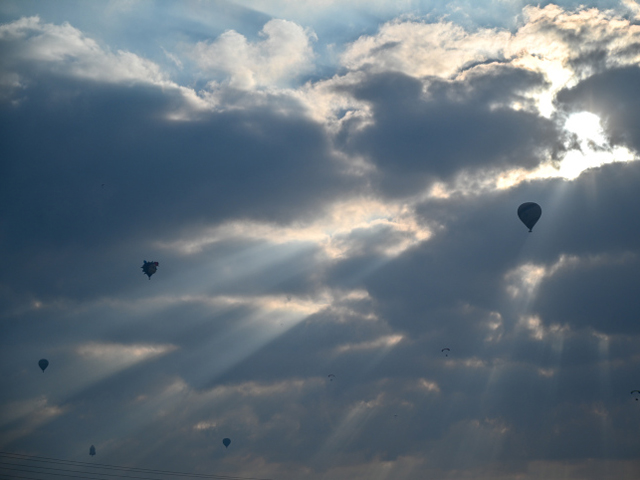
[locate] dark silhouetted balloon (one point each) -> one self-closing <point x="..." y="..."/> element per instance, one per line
<point x="226" y="442"/>
<point x="92" y="450"/>
<point x="44" y="363"/>
<point x="149" y="268"/>
<point x="529" y="213"/>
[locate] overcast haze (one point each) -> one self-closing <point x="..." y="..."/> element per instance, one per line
<point x="329" y="187"/>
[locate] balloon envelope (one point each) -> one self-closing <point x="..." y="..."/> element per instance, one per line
<point x="44" y="363"/>
<point x="529" y="214"/>
<point x="149" y="268"/>
<point x="226" y="442"/>
<point x="92" y="450"/>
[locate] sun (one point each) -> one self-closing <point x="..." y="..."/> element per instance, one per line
<point x="594" y="149"/>
<point x="586" y="126"/>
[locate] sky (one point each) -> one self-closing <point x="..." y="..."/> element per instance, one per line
<point x="329" y="188"/>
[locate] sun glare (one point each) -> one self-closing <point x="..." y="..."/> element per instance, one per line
<point x="586" y="126"/>
<point x="594" y="149"/>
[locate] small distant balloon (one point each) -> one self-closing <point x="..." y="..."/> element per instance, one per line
<point x="331" y="377"/>
<point x="529" y="213"/>
<point x="637" y="392"/>
<point x="43" y="364"/>
<point x="149" y="268"/>
<point x="226" y="442"/>
<point x="92" y="450"/>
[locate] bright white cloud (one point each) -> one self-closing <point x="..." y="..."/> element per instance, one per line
<point x="113" y="353"/>
<point x="550" y="41"/>
<point x="65" y="51"/>
<point x="423" y="49"/>
<point x="285" y="53"/>
<point x="69" y="52"/>
<point x="333" y="231"/>
<point x="385" y="342"/>
<point x="633" y="7"/>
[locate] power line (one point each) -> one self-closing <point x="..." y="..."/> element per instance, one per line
<point x="11" y="477"/>
<point x="66" y="475"/>
<point x="104" y="467"/>
<point x="48" y="471"/>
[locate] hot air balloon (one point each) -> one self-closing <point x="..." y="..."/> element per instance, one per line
<point x="331" y="376"/>
<point x="447" y="350"/>
<point x="92" y="450"/>
<point x="149" y="268"/>
<point x="636" y="391"/>
<point x="43" y="364"/>
<point x="226" y="442"/>
<point x="529" y="214"/>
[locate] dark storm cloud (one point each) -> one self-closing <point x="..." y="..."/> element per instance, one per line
<point x="466" y="263"/>
<point x="594" y="222"/>
<point x="443" y="293"/>
<point x="612" y="95"/>
<point x="419" y="137"/>
<point x="601" y="297"/>
<point x="211" y="169"/>
<point x="312" y="348"/>
<point x="462" y="264"/>
<point x="110" y="173"/>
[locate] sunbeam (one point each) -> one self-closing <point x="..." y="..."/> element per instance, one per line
<point x="328" y="198"/>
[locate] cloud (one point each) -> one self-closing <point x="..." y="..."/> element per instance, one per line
<point x="421" y="49"/>
<point x="609" y="305"/>
<point x="67" y="51"/>
<point x="354" y="225"/>
<point x="286" y="52"/>
<point x="343" y="229"/>
<point x="416" y="139"/>
<point x="20" y="419"/>
<point x="121" y="355"/>
<point x="565" y="46"/>
<point x="612" y="95"/>
<point x="256" y="164"/>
